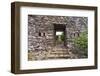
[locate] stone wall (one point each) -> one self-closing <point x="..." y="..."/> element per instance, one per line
<point x="41" y="30"/>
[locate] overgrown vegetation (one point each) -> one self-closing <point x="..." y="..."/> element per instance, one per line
<point x="81" y="43"/>
<point x="62" y="37"/>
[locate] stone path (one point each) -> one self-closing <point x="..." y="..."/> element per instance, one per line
<point x="57" y="52"/>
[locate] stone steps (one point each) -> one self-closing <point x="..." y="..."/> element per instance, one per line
<point x="58" y="54"/>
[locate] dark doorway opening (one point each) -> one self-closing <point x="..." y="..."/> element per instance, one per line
<point x="60" y="34"/>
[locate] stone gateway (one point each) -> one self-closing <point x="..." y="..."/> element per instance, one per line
<point x="51" y="37"/>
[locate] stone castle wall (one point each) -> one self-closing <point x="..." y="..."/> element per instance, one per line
<point x="41" y="30"/>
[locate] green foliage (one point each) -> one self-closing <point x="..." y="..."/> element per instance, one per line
<point x="62" y="37"/>
<point x="81" y="42"/>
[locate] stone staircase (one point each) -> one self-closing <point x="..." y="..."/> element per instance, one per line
<point x="58" y="54"/>
<point x="59" y="51"/>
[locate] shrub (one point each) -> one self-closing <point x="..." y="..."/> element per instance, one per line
<point x="81" y="43"/>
